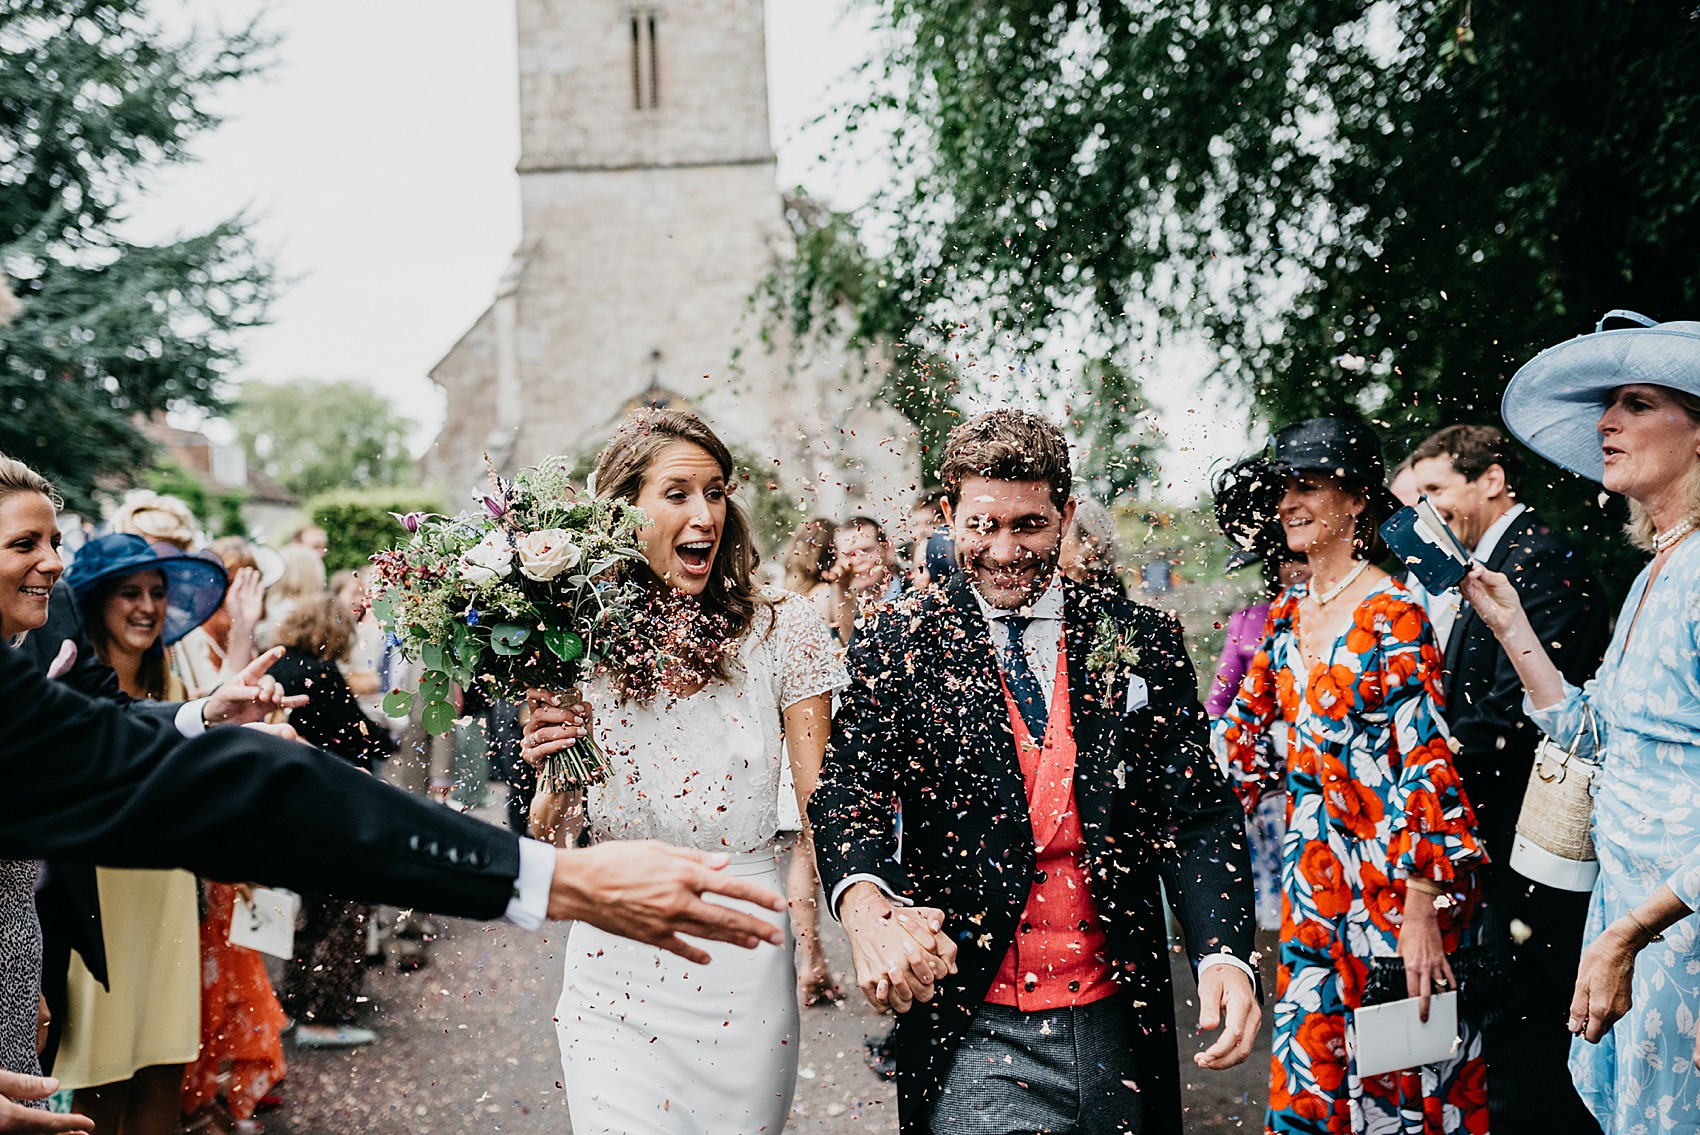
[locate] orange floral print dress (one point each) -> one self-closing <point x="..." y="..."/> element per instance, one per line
<point x="1373" y="799"/>
<point x="241" y="1021"/>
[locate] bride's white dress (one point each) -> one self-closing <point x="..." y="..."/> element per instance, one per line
<point x="651" y="1043"/>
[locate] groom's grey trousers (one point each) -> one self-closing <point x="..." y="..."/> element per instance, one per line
<point x="1054" y="1071"/>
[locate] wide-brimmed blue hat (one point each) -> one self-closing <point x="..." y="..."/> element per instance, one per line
<point x="1554" y="401"/>
<point x="194" y="586"/>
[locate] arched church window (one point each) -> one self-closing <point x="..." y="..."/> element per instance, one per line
<point x="646" y="71"/>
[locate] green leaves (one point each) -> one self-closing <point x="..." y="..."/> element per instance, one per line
<point x="508" y="638"/>
<point x="397" y="703"/>
<point x="566" y="645"/>
<point x="438" y="717"/>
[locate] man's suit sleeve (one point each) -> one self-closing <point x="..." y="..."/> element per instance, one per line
<point x="851" y="810"/>
<point x="1203" y="858"/>
<point x="87" y="780"/>
<point x="1569" y="616"/>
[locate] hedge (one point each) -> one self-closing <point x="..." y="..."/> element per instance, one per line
<point x="358" y="522"/>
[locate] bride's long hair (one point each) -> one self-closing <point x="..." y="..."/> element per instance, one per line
<point x="732" y="595"/>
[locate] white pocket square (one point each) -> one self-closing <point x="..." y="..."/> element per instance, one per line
<point x="62" y="663"/>
<point x="1138" y="695"/>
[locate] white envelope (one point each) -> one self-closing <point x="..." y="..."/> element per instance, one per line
<point x="1393" y="1037"/>
<point x="267" y="924"/>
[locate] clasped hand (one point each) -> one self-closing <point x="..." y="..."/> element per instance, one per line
<point x="555" y="720"/>
<point x="900" y="952"/>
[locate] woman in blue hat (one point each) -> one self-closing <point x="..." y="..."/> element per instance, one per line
<point x="125" y="1045"/>
<point x="1622" y="407"/>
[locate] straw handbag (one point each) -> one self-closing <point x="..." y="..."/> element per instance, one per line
<point x="1555" y="840"/>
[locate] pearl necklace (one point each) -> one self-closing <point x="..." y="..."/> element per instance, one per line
<point x="1323" y="598"/>
<point x="1664" y="541"/>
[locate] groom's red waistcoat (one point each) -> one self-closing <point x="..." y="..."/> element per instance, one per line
<point x="1058" y="956"/>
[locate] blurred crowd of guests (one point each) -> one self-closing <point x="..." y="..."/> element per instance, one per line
<point x="149" y="1014"/>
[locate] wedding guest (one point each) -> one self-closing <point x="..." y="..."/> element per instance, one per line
<point x="1245" y="498"/>
<point x="808" y="558"/>
<point x="222" y="647"/>
<point x="1381" y="845"/>
<point x="30" y="568"/>
<point x="866" y="566"/>
<point x="1403" y="484"/>
<point x="1089" y="553"/>
<point x="125" y="1044"/>
<point x="648" y="1044"/>
<point x="1046" y="744"/>
<point x="303" y="575"/>
<point x="157" y="517"/>
<point x="1622" y="407"/>
<point x="311" y="537"/>
<point x="1472" y="475"/>
<point x="321" y="983"/>
<point x="241" y="1056"/>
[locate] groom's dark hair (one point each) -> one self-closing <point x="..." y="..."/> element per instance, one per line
<point x="1006" y="445"/>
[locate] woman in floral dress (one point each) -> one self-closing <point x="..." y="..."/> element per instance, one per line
<point x="1380" y="837"/>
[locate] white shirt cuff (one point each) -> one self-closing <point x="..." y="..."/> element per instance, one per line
<point x="849" y="881"/>
<point x="189" y="720"/>
<point x="530" y="905"/>
<point x="1209" y="960"/>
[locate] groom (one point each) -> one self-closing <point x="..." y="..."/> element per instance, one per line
<point x="1046" y="747"/>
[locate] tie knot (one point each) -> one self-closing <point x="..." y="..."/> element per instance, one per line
<point x="1016" y="626"/>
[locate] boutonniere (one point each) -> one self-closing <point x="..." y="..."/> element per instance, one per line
<point x="1114" y="649"/>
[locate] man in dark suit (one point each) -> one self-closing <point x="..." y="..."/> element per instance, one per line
<point x="85" y="779"/>
<point x="89" y="780"/>
<point x="68" y="903"/>
<point x="1047" y="747"/>
<point x="1471" y="473"/>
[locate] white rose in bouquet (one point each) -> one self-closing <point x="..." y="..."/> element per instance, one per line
<point x="547" y="553"/>
<point x="488" y="560"/>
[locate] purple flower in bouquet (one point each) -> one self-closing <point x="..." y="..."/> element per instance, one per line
<point x="411" y="521"/>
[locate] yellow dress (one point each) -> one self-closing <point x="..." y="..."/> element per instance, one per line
<point x="152" y="1014"/>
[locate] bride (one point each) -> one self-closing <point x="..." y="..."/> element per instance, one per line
<point x="695" y="730"/>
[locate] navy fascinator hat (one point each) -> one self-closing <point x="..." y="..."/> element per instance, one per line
<point x="194" y="584"/>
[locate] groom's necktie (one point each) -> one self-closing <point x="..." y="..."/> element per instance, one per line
<point x="1024" y="687"/>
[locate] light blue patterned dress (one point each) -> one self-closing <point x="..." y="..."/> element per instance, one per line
<point x="1646" y="698"/>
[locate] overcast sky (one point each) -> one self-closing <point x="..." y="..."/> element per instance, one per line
<point x="376" y="161"/>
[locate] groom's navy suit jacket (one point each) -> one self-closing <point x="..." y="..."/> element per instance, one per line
<point x="924" y="721"/>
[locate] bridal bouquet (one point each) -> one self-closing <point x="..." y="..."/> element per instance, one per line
<point x="518" y="592"/>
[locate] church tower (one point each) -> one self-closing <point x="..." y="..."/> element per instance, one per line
<point x="650" y="215"/>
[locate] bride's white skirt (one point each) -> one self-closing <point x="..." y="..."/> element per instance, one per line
<point x="654" y="1045"/>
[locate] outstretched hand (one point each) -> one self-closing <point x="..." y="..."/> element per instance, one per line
<point x="1228" y="1001"/>
<point x="653" y="892"/>
<point x="15" y="1119"/>
<point x="253" y="695"/>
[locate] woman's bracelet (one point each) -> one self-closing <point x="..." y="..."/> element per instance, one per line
<point x="1652" y="935"/>
<point x="1424" y="887"/>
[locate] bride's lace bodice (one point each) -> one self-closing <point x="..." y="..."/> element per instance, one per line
<point x="703" y="771"/>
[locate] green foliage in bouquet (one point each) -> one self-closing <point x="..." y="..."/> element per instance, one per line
<point x="522" y="591"/>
